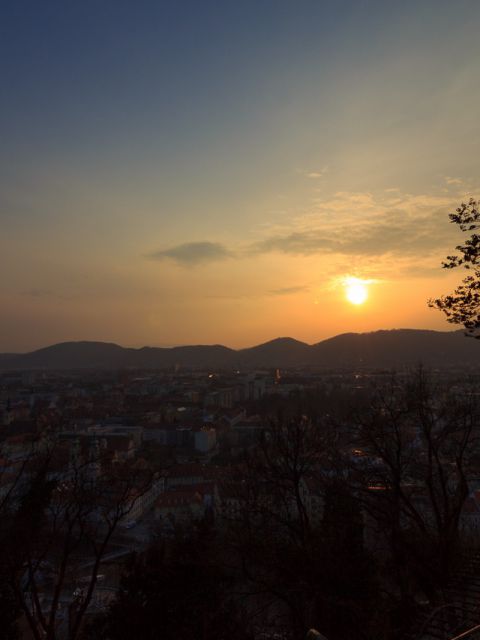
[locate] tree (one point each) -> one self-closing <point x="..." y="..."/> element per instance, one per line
<point x="420" y="447"/>
<point x="462" y="307"/>
<point x="174" y="590"/>
<point x="74" y="512"/>
<point x="298" y="536"/>
<point x="21" y="504"/>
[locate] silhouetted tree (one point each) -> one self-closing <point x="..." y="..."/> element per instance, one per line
<point x="419" y="446"/>
<point x="299" y="569"/>
<point x="348" y="599"/>
<point x="462" y="307"/>
<point x="24" y="493"/>
<point x="290" y="451"/>
<point x="62" y="523"/>
<point x="173" y="591"/>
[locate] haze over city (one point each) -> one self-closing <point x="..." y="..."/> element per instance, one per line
<point x="197" y="172"/>
<point x="240" y="320"/>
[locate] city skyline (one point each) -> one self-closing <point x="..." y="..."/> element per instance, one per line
<point x="184" y="173"/>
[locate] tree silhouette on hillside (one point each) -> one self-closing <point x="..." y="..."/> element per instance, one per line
<point x="462" y="307"/>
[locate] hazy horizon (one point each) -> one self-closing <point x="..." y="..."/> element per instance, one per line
<point x="236" y="348"/>
<point x="183" y="173"/>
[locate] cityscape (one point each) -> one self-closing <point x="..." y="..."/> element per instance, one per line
<point x="240" y="320"/>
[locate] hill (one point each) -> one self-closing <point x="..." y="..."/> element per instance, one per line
<point x="385" y="349"/>
<point x="397" y="347"/>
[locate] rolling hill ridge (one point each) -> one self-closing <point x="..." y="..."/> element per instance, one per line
<point x="387" y="349"/>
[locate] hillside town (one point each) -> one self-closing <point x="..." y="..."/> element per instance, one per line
<point x="130" y="459"/>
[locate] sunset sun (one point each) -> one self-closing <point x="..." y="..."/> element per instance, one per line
<point x="356" y="291"/>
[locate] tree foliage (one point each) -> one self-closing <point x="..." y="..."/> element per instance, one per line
<point x="462" y="307"/>
<point x="298" y="538"/>
<point x="177" y="592"/>
<point x="420" y="443"/>
<point x="55" y="525"/>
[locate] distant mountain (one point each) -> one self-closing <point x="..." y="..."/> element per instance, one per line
<point x="397" y="347"/>
<point x="67" y="355"/>
<point x="386" y="349"/>
<point x="105" y="355"/>
<point x="281" y="352"/>
<point x="198" y="355"/>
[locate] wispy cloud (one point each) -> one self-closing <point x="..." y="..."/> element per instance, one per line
<point x="357" y="224"/>
<point x="401" y="229"/>
<point x="315" y="174"/>
<point x="286" y="291"/>
<point x="454" y="181"/>
<point x="192" y="254"/>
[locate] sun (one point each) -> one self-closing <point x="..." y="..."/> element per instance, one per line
<point x="356" y="290"/>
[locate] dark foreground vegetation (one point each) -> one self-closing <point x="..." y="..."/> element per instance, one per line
<point x="351" y="514"/>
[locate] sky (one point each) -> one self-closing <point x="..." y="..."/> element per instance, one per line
<point x="184" y="172"/>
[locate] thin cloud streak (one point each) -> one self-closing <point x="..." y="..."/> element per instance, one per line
<point x="357" y="224"/>
<point x="286" y="291"/>
<point x="192" y="254"/>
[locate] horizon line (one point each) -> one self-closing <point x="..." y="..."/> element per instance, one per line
<point x="218" y="344"/>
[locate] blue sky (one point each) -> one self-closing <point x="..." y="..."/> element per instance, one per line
<point x="169" y="165"/>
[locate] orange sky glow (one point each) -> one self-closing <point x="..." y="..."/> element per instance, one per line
<point x="217" y="177"/>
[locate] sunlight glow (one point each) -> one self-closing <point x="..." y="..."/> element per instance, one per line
<point x="356" y="290"/>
